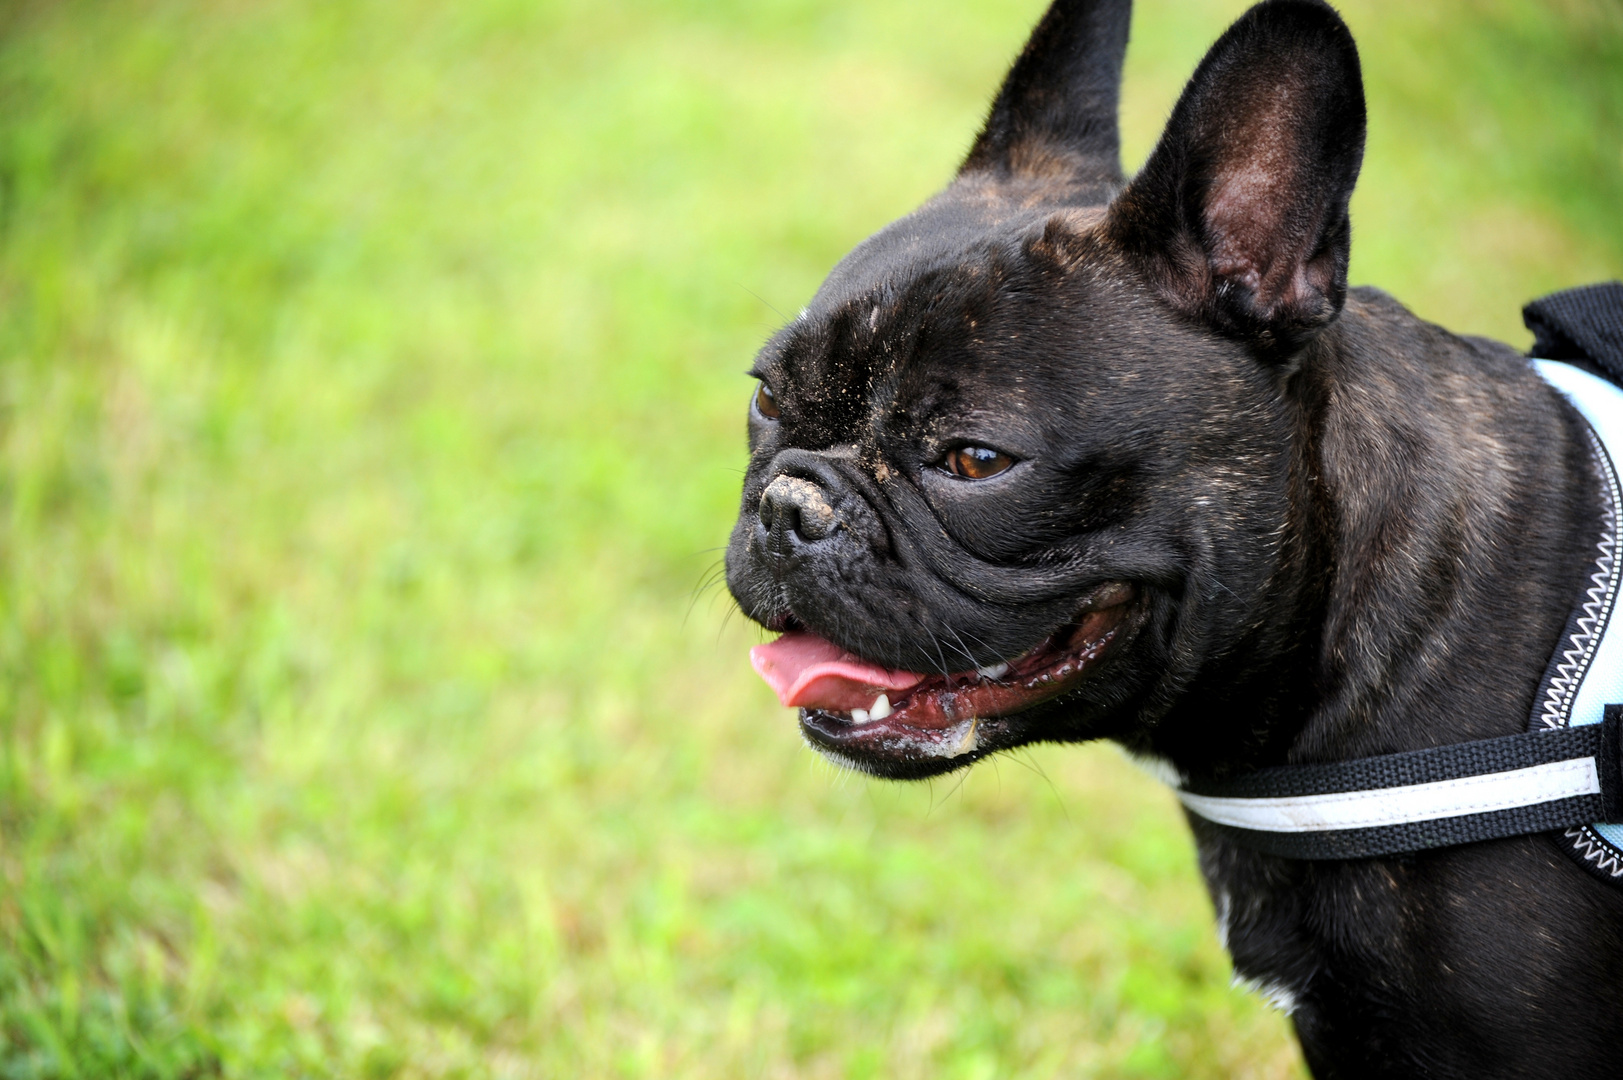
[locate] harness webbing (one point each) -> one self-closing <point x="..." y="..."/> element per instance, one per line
<point x="1457" y="794"/>
<point x="1567" y="772"/>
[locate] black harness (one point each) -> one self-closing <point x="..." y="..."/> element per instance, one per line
<point x="1565" y="773"/>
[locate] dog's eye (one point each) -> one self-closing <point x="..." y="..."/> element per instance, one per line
<point x="766" y="404"/>
<point x="976" y="462"/>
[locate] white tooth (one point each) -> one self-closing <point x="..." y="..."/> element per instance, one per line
<point x="969" y="743"/>
<point x="859" y="716"/>
<point x="881" y="707"/>
<point x="996" y="671"/>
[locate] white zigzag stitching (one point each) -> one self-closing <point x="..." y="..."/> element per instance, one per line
<point x="1597" y="608"/>
<point x="1596" y="850"/>
<point x="1587" y="844"/>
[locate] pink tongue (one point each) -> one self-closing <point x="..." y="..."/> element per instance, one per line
<point x="809" y="671"/>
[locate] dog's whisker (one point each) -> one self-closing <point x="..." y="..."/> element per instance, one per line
<point x="963" y="648"/>
<point x="763" y="300"/>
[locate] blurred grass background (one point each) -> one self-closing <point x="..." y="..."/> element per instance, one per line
<point x="370" y="406"/>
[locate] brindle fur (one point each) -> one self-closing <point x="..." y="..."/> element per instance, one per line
<point x="1353" y="532"/>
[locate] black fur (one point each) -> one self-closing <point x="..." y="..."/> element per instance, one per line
<point x="1351" y="532"/>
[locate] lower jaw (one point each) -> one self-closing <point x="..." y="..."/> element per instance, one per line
<point x="898" y="751"/>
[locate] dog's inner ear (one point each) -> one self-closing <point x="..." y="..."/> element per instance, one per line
<point x="1054" y="120"/>
<point x="1239" y="218"/>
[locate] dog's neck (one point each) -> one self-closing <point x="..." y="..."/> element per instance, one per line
<point x="1444" y="512"/>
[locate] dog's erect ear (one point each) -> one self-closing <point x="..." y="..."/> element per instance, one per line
<point x="1055" y="117"/>
<point x="1239" y="217"/>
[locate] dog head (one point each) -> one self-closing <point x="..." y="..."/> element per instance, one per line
<point x="1029" y="466"/>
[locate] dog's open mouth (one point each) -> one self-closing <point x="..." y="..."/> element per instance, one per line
<point x="878" y="719"/>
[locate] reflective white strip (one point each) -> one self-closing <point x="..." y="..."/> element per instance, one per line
<point x="1403" y="805"/>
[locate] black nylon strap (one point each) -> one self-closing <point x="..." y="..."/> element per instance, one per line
<point x="1414" y="767"/>
<point x="1610" y="763"/>
<point x="1420" y="835"/>
<point x="1603" y="741"/>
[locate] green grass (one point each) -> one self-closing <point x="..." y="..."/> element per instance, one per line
<point x="370" y="406"/>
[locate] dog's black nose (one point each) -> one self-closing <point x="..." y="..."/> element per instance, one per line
<point x="793" y="505"/>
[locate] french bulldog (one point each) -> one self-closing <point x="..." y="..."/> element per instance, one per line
<point x="1064" y="456"/>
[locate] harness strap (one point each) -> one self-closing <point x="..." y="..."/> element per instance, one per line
<point x="1457" y="794"/>
<point x="1567" y="772"/>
